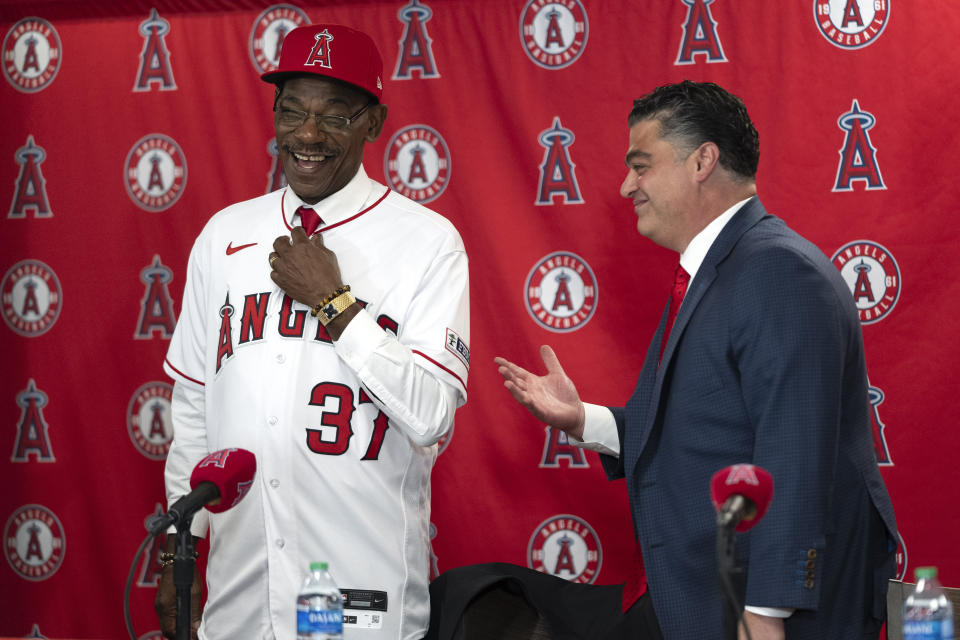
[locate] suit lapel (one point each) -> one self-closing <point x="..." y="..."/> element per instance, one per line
<point x="652" y="376"/>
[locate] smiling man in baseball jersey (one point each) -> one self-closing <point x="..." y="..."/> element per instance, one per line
<point x="336" y="353"/>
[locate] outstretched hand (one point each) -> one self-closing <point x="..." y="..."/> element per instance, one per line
<point x="552" y="398"/>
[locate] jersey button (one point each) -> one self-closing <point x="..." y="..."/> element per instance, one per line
<point x="274" y="483"/>
<point x="281" y="358"/>
<point x="280" y="543"/>
<point x="272" y="420"/>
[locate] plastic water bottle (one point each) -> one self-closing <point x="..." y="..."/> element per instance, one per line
<point x="319" y="606"/>
<point x="927" y="614"/>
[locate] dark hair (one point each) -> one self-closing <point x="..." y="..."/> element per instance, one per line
<point x="691" y="113"/>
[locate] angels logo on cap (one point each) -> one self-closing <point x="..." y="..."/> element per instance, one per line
<point x="333" y="51"/>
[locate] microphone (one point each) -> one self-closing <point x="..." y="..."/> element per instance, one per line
<point x="741" y="493"/>
<point x="219" y="482"/>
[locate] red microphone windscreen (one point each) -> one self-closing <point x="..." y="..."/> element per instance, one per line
<point x="231" y="470"/>
<point x="747" y="480"/>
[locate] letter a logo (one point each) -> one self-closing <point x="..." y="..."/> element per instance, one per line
<point x="30" y="191"/>
<point x="225" y="342"/>
<point x="416" y="51"/>
<point x="155" y="58"/>
<point x="858" y="158"/>
<point x="156" y="308"/>
<point x="875" y="394"/>
<point x="320" y="54"/>
<point x="699" y="34"/>
<point x="32" y="438"/>
<point x="556" y="172"/>
<point x="744" y="473"/>
<point x="556" y="446"/>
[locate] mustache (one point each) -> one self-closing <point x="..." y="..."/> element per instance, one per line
<point x="312" y="149"/>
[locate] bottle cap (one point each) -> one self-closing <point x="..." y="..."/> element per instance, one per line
<point x="925" y="573"/>
<point x="318" y="566"/>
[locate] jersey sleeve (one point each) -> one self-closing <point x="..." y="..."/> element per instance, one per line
<point x="185" y="364"/>
<point x="185" y="359"/>
<point x="418" y="376"/>
<point x="437" y="327"/>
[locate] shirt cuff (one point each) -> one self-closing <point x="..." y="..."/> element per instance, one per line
<point x="772" y="612"/>
<point x="599" y="431"/>
<point x="359" y="339"/>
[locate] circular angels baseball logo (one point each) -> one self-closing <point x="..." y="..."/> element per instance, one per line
<point x="268" y="31"/>
<point x="32" y="298"/>
<point x="31" y="55"/>
<point x="155" y="172"/>
<point x="148" y="419"/>
<point x="561" y="292"/>
<point x="567" y="547"/>
<point x="553" y="32"/>
<point x="34" y="542"/>
<point x="872" y="275"/>
<point x="417" y="163"/>
<point x="851" y="24"/>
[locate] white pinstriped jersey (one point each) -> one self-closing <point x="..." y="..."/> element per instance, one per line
<point x="344" y="434"/>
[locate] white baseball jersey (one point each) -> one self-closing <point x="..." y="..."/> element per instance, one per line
<point x="344" y="434"/>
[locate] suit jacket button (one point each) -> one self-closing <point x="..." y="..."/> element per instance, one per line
<point x="811" y="563"/>
<point x="808" y="583"/>
<point x="811" y="553"/>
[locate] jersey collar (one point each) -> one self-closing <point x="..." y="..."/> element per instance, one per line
<point x="336" y="207"/>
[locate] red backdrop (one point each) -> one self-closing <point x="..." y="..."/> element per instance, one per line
<point x="127" y="124"/>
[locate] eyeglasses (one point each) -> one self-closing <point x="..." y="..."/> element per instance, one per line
<point x="294" y="119"/>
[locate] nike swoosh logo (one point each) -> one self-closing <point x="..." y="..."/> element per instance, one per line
<point x="232" y="249"/>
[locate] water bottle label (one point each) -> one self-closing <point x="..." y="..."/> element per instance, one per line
<point x="928" y="630"/>
<point x="319" y="621"/>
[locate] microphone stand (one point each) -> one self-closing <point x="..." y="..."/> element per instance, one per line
<point x="731" y="579"/>
<point x="183" y="565"/>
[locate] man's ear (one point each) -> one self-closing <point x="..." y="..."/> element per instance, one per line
<point x="707" y="158"/>
<point x="378" y="115"/>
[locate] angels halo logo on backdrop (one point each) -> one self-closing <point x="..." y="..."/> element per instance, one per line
<point x="873" y="276"/>
<point x="35" y="543"/>
<point x="554" y="32"/>
<point x="148" y="419"/>
<point x="268" y="32"/>
<point x="155" y="172"/>
<point x="31" y="298"/>
<point x="417" y="163"/>
<point x="561" y="292"/>
<point x="567" y="547"/>
<point x="31" y="55"/>
<point x="851" y="24"/>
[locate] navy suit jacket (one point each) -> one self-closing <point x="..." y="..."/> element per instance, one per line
<point x="765" y="364"/>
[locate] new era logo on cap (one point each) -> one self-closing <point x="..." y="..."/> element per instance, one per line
<point x="333" y="51"/>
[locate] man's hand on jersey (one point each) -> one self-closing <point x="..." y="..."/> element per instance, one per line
<point x="304" y="267"/>
<point x="552" y="398"/>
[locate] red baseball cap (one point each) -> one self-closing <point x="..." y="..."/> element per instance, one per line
<point x="330" y="50"/>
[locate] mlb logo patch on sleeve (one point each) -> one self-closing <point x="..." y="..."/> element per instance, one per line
<point x="458" y="347"/>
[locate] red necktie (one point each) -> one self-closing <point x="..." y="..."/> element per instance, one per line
<point x="309" y="220"/>
<point x="636" y="584"/>
<point x="680" y="281"/>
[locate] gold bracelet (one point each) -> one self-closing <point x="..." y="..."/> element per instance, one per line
<point x="167" y="558"/>
<point x="335" y="307"/>
<point x="339" y="292"/>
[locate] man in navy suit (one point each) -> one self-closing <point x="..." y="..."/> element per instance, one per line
<point x="763" y="364"/>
